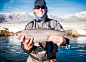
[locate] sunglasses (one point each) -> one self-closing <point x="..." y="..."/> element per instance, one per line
<point x="38" y="7"/>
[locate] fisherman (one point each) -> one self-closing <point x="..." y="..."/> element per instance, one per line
<point x="46" y="51"/>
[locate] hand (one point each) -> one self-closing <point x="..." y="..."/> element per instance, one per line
<point x="28" y="43"/>
<point x="57" y="40"/>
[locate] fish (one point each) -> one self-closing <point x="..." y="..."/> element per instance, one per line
<point x="41" y="35"/>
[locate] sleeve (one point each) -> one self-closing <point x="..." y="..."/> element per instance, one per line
<point x="67" y="41"/>
<point x="58" y="26"/>
<point x="22" y="46"/>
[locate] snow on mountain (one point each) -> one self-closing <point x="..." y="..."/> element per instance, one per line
<point x="77" y="17"/>
<point x="65" y="16"/>
<point x="23" y="17"/>
<point x="81" y="15"/>
<point x="55" y="17"/>
<point x="72" y="19"/>
<point x="16" y="17"/>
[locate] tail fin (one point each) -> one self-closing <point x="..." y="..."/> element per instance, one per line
<point x="69" y="34"/>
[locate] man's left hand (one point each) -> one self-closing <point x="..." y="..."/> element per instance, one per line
<point x="57" y="40"/>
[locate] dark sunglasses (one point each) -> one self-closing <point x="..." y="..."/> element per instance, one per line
<point x="38" y="7"/>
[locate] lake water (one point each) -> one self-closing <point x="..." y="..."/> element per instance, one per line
<point x="10" y="51"/>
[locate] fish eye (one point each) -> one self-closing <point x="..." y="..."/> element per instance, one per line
<point x="16" y="34"/>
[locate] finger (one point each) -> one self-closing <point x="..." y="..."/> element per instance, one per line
<point x="22" y="39"/>
<point x="59" y="44"/>
<point x="53" y="40"/>
<point x="31" y="41"/>
<point x="53" y="36"/>
<point x="27" y="40"/>
<point x="31" y="44"/>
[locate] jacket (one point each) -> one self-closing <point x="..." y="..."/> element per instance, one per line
<point x="49" y="24"/>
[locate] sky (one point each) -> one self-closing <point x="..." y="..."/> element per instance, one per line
<point x="55" y="7"/>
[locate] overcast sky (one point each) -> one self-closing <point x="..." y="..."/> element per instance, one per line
<point x="55" y="7"/>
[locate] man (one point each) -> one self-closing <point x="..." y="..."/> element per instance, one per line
<point x="41" y="20"/>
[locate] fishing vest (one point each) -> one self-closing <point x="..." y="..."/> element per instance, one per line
<point x="49" y="24"/>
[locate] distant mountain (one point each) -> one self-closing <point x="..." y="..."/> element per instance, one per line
<point x="55" y="17"/>
<point x="77" y="17"/>
<point x="72" y="19"/>
<point x="81" y="15"/>
<point x="23" y="17"/>
<point x="15" y="17"/>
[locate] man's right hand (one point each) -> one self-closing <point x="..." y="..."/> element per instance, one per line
<point x="28" y="43"/>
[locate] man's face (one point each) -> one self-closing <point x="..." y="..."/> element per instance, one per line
<point x="40" y="10"/>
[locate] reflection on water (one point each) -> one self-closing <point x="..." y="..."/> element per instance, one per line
<point x="78" y="40"/>
<point x="72" y="53"/>
<point x="11" y="50"/>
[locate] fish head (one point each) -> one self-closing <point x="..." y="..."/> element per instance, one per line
<point x="18" y="35"/>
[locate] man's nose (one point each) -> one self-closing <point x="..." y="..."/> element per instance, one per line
<point x="40" y="9"/>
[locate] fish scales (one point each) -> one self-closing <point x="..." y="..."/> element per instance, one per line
<point x="40" y="35"/>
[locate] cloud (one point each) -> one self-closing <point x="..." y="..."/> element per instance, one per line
<point x="11" y="2"/>
<point x="8" y="4"/>
<point x="18" y="6"/>
<point x="57" y="7"/>
<point x="23" y="8"/>
<point x="61" y="11"/>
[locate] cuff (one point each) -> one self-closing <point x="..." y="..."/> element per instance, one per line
<point x="26" y="51"/>
<point x="66" y="41"/>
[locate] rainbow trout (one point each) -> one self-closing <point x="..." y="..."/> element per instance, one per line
<point x="40" y="35"/>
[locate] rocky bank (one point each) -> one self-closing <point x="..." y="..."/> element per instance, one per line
<point x="6" y="33"/>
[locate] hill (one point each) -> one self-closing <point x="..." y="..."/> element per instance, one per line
<point x="23" y="17"/>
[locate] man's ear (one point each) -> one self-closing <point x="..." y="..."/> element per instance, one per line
<point x="34" y="10"/>
<point x="46" y="9"/>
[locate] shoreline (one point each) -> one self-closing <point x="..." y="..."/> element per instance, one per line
<point x="78" y="28"/>
<point x="82" y="23"/>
